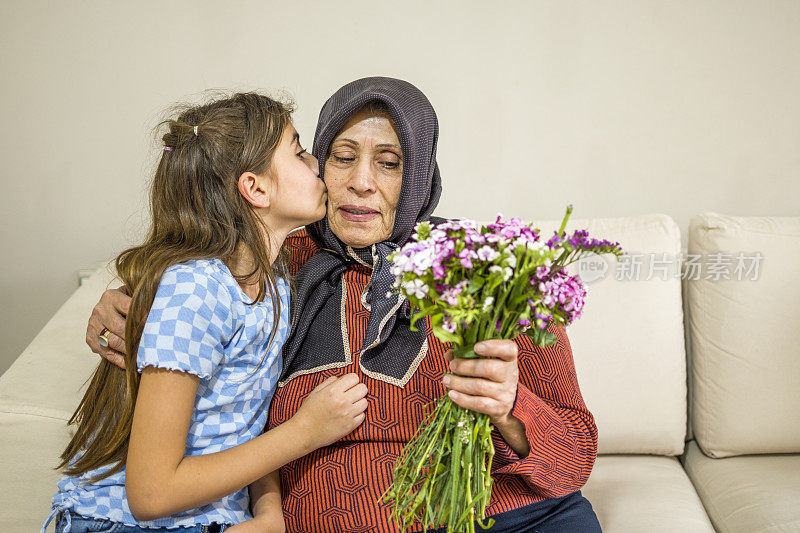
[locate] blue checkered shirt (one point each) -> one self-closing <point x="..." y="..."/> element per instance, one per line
<point x="200" y="323"/>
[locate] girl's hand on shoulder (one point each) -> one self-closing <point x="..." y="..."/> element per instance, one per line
<point x="260" y="524"/>
<point x="332" y="410"/>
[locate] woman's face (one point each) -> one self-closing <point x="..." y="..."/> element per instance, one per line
<point x="297" y="192"/>
<point x="364" y="173"/>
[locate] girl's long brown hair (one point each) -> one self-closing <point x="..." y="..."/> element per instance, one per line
<point x="197" y="213"/>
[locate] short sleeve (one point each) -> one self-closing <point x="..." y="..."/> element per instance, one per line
<point x="189" y="323"/>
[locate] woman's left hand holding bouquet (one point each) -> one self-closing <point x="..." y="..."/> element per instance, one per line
<point x="489" y="386"/>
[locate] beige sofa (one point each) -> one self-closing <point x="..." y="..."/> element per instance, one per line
<point x="734" y="464"/>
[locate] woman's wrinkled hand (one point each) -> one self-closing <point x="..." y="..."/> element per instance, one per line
<point x="488" y="385"/>
<point x="110" y="313"/>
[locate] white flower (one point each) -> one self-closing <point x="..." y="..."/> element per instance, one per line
<point x="521" y="241"/>
<point x="511" y="260"/>
<point x="507" y="272"/>
<point x="487" y="303"/>
<point x="423" y="260"/>
<point x="438" y="235"/>
<point x="487" y="253"/>
<point x="416" y="287"/>
<point x="399" y="261"/>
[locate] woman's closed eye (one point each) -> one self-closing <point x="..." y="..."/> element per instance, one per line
<point x="389" y="160"/>
<point x="301" y="154"/>
<point x="391" y="165"/>
<point x="344" y="158"/>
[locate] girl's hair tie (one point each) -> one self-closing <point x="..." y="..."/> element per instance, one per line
<point x="167" y="148"/>
<point x="195" y="131"/>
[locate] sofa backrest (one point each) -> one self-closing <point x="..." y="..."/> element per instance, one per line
<point x="629" y="345"/>
<point x="47" y="379"/>
<point x="745" y="334"/>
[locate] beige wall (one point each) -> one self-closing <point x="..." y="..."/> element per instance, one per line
<point x="620" y="107"/>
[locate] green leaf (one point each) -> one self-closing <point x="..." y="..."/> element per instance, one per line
<point x="539" y="337"/>
<point x="422" y="313"/>
<point x="446" y="336"/>
<point x="549" y="339"/>
<point x="476" y="284"/>
<point x="465" y="352"/>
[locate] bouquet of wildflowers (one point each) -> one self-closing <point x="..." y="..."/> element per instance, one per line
<point x="476" y="283"/>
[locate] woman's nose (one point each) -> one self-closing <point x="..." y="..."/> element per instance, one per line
<point x="363" y="180"/>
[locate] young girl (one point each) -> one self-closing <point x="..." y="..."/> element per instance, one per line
<point x="172" y="443"/>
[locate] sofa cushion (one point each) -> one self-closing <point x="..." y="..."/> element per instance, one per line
<point x="633" y="493"/>
<point x="748" y="493"/>
<point x="47" y="378"/>
<point x="30" y="451"/>
<point x="744" y="334"/>
<point x="629" y="346"/>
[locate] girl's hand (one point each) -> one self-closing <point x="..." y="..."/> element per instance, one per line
<point x="260" y="524"/>
<point x="332" y="410"/>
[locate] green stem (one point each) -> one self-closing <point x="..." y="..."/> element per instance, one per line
<point x="564" y="222"/>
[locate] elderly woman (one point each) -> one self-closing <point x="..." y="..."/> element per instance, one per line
<point x="377" y="138"/>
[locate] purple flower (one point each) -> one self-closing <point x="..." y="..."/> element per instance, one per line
<point x="466" y="256"/>
<point x="565" y="293"/>
<point x="473" y="237"/>
<point x="450" y="295"/>
<point x="580" y="240"/>
<point x="554" y="241"/>
<point x="493" y="238"/>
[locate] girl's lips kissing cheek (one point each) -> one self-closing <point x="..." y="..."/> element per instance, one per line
<point x="358" y="213"/>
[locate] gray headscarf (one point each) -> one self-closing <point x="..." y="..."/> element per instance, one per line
<point x="391" y="351"/>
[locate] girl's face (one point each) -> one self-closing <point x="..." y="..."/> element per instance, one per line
<point x="298" y="196"/>
<point x="364" y="174"/>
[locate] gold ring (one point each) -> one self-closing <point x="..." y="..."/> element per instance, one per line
<point x="103" y="338"/>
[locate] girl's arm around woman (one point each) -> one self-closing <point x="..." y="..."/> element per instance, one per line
<point x="161" y="480"/>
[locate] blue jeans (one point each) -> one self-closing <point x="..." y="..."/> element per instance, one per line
<point x="571" y="514"/>
<point x="82" y="524"/>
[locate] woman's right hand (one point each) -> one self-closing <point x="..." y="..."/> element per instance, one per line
<point x="332" y="410"/>
<point x="110" y="312"/>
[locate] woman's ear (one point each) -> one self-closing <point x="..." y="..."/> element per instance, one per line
<point x="254" y="189"/>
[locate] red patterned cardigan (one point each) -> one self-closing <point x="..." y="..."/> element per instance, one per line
<point x="337" y="488"/>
